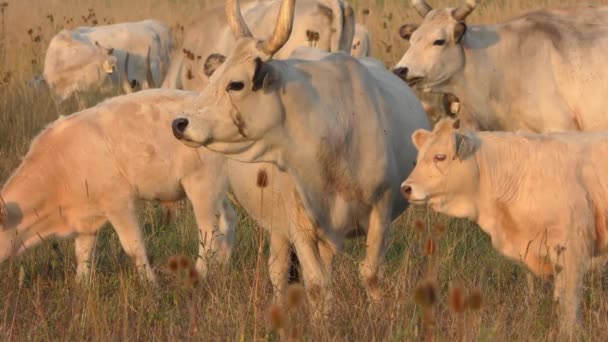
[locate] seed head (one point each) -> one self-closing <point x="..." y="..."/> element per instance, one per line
<point x="439" y="229"/>
<point x="295" y="334"/>
<point x="425" y="293"/>
<point x="430" y="247"/>
<point x="295" y="296"/>
<point x="419" y="225"/>
<point x="475" y="300"/>
<point x="456" y="300"/>
<point x="276" y="317"/>
<point x="262" y="180"/>
<point x="173" y="264"/>
<point x="184" y="262"/>
<point x="193" y="277"/>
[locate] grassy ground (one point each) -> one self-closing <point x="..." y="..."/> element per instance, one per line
<point x="40" y="300"/>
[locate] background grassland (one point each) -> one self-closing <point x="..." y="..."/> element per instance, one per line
<point x="39" y="299"/>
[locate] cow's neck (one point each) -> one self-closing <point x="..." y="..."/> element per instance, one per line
<point x="477" y="85"/>
<point x="499" y="181"/>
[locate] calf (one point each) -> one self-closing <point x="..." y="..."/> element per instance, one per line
<point x="541" y="198"/>
<point x="89" y="168"/>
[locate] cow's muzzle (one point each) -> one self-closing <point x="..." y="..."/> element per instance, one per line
<point x="179" y="126"/>
<point x="406" y="191"/>
<point x="401" y="72"/>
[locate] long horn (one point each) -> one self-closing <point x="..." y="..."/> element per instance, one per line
<point x="149" y="76"/>
<point x="463" y="11"/>
<point x="2" y="210"/>
<point x="124" y="77"/>
<point x="282" y="30"/>
<point x="422" y="7"/>
<point x="236" y="21"/>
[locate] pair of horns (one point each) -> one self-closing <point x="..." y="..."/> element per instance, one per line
<point x="423" y="8"/>
<point x="282" y="30"/>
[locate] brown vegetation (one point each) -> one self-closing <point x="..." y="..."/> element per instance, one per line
<point x="443" y="280"/>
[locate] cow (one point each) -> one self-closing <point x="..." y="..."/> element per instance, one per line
<point x="87" y="169"/>
<point x="325" y="24"/>
<point x="95" y="59"/>
<point x="362" y="42"/>
<point x="542" y="71"/>
<point x="551" y="215"/>
<point x="334" y="125"/>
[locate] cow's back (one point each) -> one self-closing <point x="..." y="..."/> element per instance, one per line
<point x="563" y="52"/>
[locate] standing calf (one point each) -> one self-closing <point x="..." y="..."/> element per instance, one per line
<point x="541" y="198"/>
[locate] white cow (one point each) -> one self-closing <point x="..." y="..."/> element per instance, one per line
<point x="337" y="126"/>
<point x="362" y="42"/>
<point x="96" y="58"/>
<point x="542" y="71"/>
<point x="325" y="24"/>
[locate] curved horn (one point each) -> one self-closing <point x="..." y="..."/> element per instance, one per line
<point x="348" y="28"/>
<point x="463" y="11"/>
<point x="149" y="76"/>
<point x="236" y="21"/>
<point x="282" y="30"/>
<point x="2" y="210"/>
<point x="124" y="77"/>
<point x="422" y="7"/>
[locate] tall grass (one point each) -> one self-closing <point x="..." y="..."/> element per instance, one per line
<point x="41" y="301"/>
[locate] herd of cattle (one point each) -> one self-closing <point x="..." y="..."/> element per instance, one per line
<point x="280" y="97"/>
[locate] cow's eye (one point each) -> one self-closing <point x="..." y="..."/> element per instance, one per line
<point x="439" y="157"/>
<point x="235" y="86"/>
<point x="439" y="42"/>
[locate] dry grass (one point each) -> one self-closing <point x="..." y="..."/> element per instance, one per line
<point x="40" y="300"/>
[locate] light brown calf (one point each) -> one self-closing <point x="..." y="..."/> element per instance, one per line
<point x="541" y="198"/>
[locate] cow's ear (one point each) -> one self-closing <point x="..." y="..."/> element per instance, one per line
<point x="459" y="31"/>
<point x="419" y="137"/>
<point x="212" y="63"/>
<point x="265" y="76"/>
<point x="465" y="145"/>
<point x="406" y="31"/>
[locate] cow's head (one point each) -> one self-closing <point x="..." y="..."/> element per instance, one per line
<point x="328" y="25"/>
<point x="105" y="58"/>
<point x="435" y="53"/>
<point x="241" y="104"/>
<point x="76" y="65"/>
<point x="446" y="170"/>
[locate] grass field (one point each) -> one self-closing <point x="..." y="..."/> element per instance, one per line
<point x="41" y="301"/>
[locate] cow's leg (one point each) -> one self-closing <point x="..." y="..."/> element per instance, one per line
<point x="169" y="211"/>
<point x="316" y="277"/>
<point x="278" y="264"/>
<point x="215" y="218"/>
<point x="327" y="255"/>
<point x="84" y="245"/>
<point x="571" y="263"/>
<point x="124" y="221"/>
<point x="377" y="237"/>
